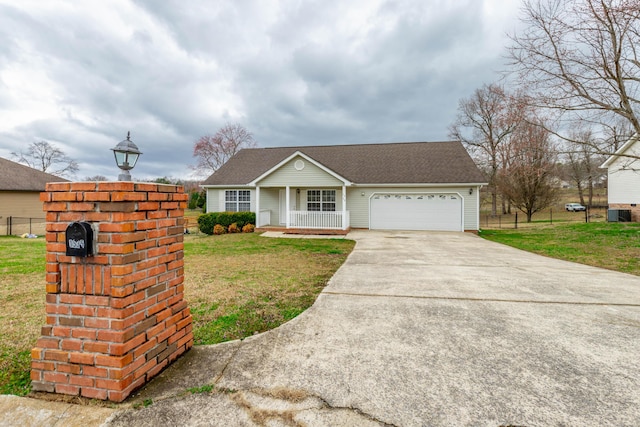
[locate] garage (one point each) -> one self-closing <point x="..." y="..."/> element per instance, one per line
<point x="416" y="211"/>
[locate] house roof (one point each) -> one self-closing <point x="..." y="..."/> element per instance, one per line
<point x="390" y="163"/>
<point x="620" y="151"/>
<point x="17" y="177"/>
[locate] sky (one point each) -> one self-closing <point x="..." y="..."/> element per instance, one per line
<point x="81" y="74"/>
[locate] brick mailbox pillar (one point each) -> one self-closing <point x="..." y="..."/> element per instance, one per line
<point x="116" y="317"/>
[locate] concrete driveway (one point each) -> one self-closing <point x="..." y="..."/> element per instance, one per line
<point x="421" y="329"/>
<point x="425" y="329"/>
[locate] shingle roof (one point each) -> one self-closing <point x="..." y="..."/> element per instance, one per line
<point x="390" y="163"/>
<point x="17" y="177"/>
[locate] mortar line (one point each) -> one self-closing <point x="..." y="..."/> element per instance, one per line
<point x="482" y="299"/>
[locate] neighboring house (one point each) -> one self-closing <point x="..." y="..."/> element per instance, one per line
<point x="20" y="205"/>
<point x="623" y="171"/>
<point x="394" y="186"/>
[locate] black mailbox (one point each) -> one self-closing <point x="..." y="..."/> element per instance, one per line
<point x="79" y="239"/>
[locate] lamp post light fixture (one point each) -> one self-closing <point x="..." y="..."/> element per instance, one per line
<point x="126" y="154"/>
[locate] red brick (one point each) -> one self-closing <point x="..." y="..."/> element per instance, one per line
<point x="157" y="308"/>
<point x="71" y="345"/>
<point x="158" y="197"/>
<point x="93" y="393"/>
<point x="116" y="249"/>
<point x="163" y="336"/>
<point x="127" y="216"/>
<point x="96" y="347"/>
<point x="115" y="186"/>
<point x="83" y="333"/>
<point x="126" y="196"/>
<point x="81" y="206"/>
<point x="65" y="217"/>
<point x="55" y="377"/>
<point x="64" y="197"/>
<point x="47" y="342"/>
<point x="68" y="368"/>
<point x="146" y="187"/>
<point x="87" y="186"/>
<point x="115" y="336"/>
<point x="97" y="196"/>
<point x="93" y="371"/>
<point x="43" y="366"/>
<point x="61" y="331"/>
<point x="67" y="389"/>
<point x="141" y="371"/>
<point x="113" y="361"/>
<point x="122" y="291"/>
<point x="58" y="186"/>
<point x="146" y="225"/>
<point x="35" y="375"/>
<point x="97" y="300"/>
<point x="157" y="215"/>
<point x="52" y="288"/>
<point x="157" y="369"/>
<point x="82" y="381"/>
<point x="83" y="310"/>
<point x="71" y="299"/>
<point x="142" y="349"/>
<point x="119" y="349"/>
<point x="97" y="216"/>
<point x="128" y="237"/>
<point x="98" y="323"/>
<point x="115" y="227"/>
<point x="148" y="206"/>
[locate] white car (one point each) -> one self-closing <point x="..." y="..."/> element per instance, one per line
<point x="574" y="207"/>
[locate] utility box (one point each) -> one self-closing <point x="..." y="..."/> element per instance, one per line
<point x="619" y="215"/>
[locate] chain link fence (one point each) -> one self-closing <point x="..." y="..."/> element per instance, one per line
<point x="548" y="217"/>
<point x="17" y="226"/>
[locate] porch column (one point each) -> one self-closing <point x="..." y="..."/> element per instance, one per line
<point x="344" y="207"/>
<point x="258" y="206"/>
<point x="288" y="211"/>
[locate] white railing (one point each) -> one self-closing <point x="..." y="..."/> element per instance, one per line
<point x="264" y="218"/>
<point x="311" y="219"/>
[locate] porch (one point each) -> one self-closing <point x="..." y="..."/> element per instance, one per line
<point x="302" y="208"/>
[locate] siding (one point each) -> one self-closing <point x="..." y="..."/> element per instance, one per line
<point x="23" y="204"/>
<point x="358" y="205"/>
<point x="309" y="176"/>
<point x="215" y="198"/>
<point x="624" y="185"/>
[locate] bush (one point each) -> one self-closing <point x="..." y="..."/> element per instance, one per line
<point x="202" y="200"/>
<point x="233" y="228"/>
<point x="248" y="228"/>
<point x="207" y="221"/>
<point x="218" y="230"/>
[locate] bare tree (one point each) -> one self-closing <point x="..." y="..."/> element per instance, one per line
<point x="528" y="178"/>
<point x="580" y="59"/>
<point x="96" y="178"/>
<point x="213" y="151"/>
<point x="582" y="164"/>
<point x="484" y="124"/>
<point x="48" y="158"/>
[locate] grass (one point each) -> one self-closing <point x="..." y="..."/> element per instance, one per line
<point x="615" y="246"/>
<point x="236" y="285"/>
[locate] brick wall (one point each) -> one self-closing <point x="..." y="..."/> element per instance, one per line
<point x="635" y="210"/>
<point x="116" y="319"/>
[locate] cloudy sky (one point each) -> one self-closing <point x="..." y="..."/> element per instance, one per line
<point x="80" y="74"/>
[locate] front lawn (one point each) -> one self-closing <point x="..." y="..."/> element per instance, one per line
<point x="236" y="285"/>
<point x="615" y="246"/>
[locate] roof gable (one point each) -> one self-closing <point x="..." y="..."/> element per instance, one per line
<point x="307" y="158"/>
<point x="17" y="177"/>
<point x="629" y="145"/>
<point x="391" y="163"/>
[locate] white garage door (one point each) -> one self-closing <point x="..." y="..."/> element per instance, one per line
<point x="407" y="211"/>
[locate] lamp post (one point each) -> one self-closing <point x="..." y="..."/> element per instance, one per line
<point x="126" y="154"/>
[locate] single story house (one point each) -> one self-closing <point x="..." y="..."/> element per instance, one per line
<point x="392" y="186"/>
<point x="623" y="173"/>
<point x="20" y="205"/>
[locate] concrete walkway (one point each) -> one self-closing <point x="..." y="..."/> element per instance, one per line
<point x="422" y="329"/>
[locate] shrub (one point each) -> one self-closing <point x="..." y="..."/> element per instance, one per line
<point x="193" y="200"/>
<point x="206" y="222"/>
<point x="233" y="228"/>
<point x="202" y="200"/>
<point x="219" y="229"/>
<point x="248" y="228"/>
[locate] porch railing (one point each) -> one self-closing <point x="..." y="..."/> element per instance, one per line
<point x="311" y="219"/>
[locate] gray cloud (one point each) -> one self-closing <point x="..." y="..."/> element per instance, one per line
<point x="294" y="73"/>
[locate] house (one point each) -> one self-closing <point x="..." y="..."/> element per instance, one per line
<point x="20" y="205"/>
<point x="623" y="173"/>
<point x="393" y="186"/>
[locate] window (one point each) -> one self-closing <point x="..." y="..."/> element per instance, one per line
<point x="321" y="200"/>
<point x="237" y="200"/>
